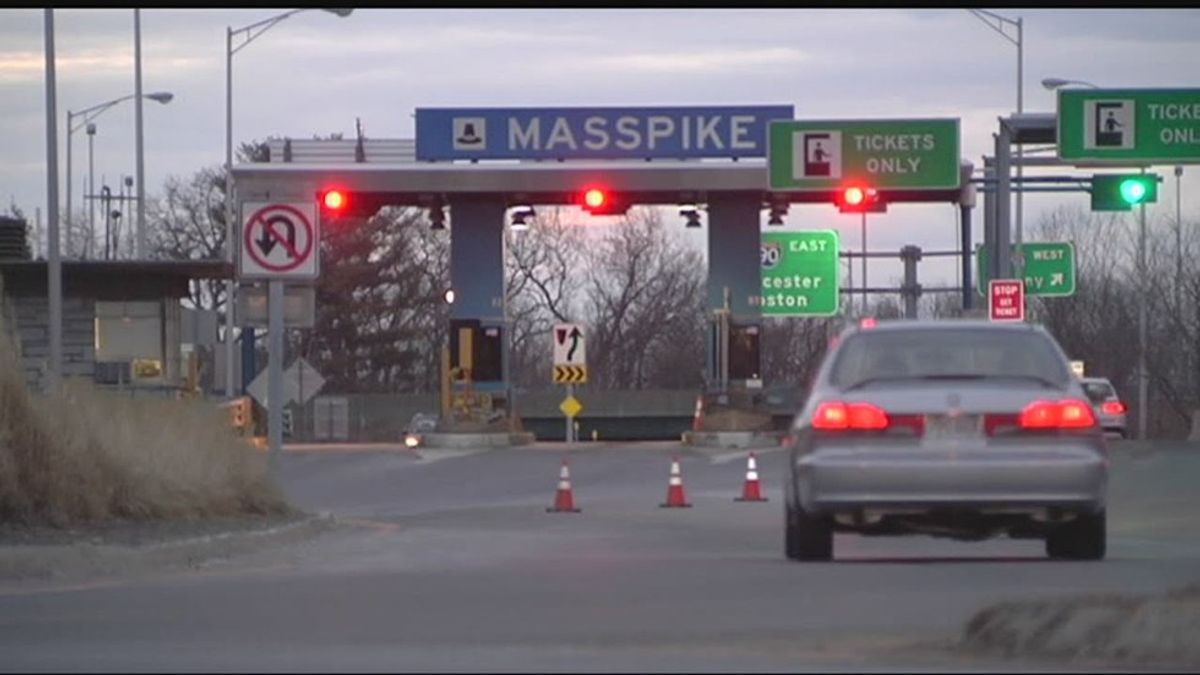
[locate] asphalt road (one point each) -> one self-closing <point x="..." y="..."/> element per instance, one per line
<point x="448" y="561"/>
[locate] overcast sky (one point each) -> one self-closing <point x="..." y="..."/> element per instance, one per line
<point x="315" y="73"/>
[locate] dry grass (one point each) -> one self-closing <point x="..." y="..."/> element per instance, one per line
<point x="88" y="456"/>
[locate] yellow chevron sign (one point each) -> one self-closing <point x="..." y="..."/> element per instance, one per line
<point x="570" y="374"/>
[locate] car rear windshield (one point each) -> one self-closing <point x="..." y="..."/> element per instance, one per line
<point x="1098" y="392"/>
<point x="948" y="352"/>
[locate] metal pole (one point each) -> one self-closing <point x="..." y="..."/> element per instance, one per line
<point x="1019" y="272"/>
<point x="911" y="290"/>
<point x="141" y="155"/>
<point x="275" y="373"/>
<point x="865" y="309"/>
<point x="724" y="344"/>
<point x="230" y="285"/>
<point x="1142" y="374"/>
<point x="968" y="290"/>
<point x="54" y="283"/>
<point x="1003" y="253"/>
<point x="989" y="217"/>
<point x="570" y="420"/>
<point x="70" y="180"/>
<point x="1178" y="240"/>
<point x="91" y="200"/>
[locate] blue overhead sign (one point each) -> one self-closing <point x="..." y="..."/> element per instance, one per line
<point x="595" y="133"/>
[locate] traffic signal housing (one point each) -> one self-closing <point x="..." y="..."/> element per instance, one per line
<point x="857" y="198"/>
<point x="1121" y="192"/>
<point x="599" y="201"/>
<point x="335" y="202"/>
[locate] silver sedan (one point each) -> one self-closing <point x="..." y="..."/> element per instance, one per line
<point x="964" y="429"/>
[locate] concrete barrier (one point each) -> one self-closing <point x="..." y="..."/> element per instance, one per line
<point x="476" y="440"/>
<point x="732" y="439"/>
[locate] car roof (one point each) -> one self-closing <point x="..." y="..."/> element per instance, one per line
<point x="946" y="324"/>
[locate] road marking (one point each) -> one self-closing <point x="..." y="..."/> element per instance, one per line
<point x="431" y="455"/>
<point x="727" y="457"/>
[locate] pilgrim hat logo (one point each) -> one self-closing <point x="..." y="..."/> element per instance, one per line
<point x="470" y="133"/>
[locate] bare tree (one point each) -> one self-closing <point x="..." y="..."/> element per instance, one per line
<point x="188" y="223"/>
<point x="644" y="302"/>
<point x="542" y="278"/>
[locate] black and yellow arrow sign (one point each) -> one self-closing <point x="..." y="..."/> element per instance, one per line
<point x="570" y="374"/>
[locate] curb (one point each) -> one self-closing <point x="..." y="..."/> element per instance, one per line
<point x="476" y="440"/>
<point x="732" y="439"/>
<point x="1137" y="630"/>
<point x="81" y="560"/>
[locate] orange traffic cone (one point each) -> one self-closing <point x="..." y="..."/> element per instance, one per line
<point x="675" y="496"/>
<point x="698" y="416"/>
<point x="564" y="501"/>
<point x="751" y="490"/>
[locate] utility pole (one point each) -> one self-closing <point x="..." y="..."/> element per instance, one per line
<point x="1143" y="376"/>
<point x="54" y="283"/>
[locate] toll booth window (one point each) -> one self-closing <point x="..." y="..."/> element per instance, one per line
<point x="744" y="356"/>
<point x="130" y="332"/>
<point x="489" y="351"/>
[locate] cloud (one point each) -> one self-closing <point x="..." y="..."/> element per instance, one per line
<point x="705" y="61"/>
<point x="29" y="67"/>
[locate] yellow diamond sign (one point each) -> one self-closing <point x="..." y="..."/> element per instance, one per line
<point x="571" y="407"/>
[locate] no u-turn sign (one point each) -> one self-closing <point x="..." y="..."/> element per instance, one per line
<point x="279" y="241"/>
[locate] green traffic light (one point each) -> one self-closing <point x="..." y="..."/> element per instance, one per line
<point x="1133" y="190"/>
<point x="1121" y="192"/>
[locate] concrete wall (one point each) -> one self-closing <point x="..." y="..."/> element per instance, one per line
<point x="614" y="415"/>
<point x="32" y="318"/>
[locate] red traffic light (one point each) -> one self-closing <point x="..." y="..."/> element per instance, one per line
<point x="853" y="196"/>
<point x="334" y="200"/>
<point x="859" y="199"/>
<point x="594" y="198"/>
<point x="600" y="202"/>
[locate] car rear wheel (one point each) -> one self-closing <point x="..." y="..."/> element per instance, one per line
<point x="807" y="537"/>
<point x="1084" y="538"/>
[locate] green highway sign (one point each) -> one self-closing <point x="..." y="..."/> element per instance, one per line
<point x="1131" y="126"/>
<point x="1049" y="268"/>
<point x="883" y="154"/>
<point x="800" y="273"/>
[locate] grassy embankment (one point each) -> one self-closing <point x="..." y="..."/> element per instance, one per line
<point x="88" y="456"/>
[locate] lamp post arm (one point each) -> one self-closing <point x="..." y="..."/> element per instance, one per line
<point x="999" y="23"/>
<point x="89" y="114"/>
<point x="256" y="29"/>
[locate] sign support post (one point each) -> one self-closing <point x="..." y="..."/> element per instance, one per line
<point x="279" y="242"/>
<point x="570" y="418"/>
<point x="275" y="374"/>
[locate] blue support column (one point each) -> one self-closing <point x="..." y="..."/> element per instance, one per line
<point x="734" y="243"/>
<point x="477" y="268"/>
<point x="249" y="365"/>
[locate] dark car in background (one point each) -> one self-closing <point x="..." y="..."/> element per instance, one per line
<point x="1110" y="409"/>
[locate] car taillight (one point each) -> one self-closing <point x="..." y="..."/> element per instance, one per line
<point x="839" y="416"/>
<point x="1113" y="408"/>
<point x="1064" y="414"/>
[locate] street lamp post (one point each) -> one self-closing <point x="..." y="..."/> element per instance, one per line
<point x="1053" y="83"/>
<point x="1178" y="240"/>
<point x="249" y="33"/>
<point x="139" y="150"/>
<point x="998" y="23"/>
<point x="53" y="260"/>
<point x="87" y="115"/>
<point x="91" y="134"/>
<point x="1143" y="376"/>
